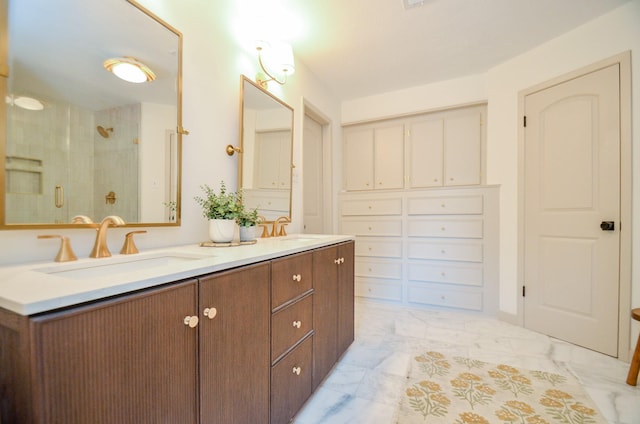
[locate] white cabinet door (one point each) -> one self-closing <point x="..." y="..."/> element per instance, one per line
<point x="425" y="153"/>
<point x="462" y="150"/>
<point x="273" y="169"/>
<point x="389" y="157"/>
<point x="358" y="159"/>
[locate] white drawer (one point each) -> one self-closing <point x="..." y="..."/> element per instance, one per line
<point x="444" y="205"/>
<point x="432" y="295"/>
<point x="459" y="228"/>
<point x="469" y="251"/>
<point x="372" y="207"/>
<point x="378" y="268"/>
<point x="378" y="290"/>
<point x="379" y="248"/>
<point x="446" y="273"/>
<point x="372" y="227"/>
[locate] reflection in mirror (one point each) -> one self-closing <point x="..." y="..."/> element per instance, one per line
<point x="89" y="143"/>
<point x="266" y="138"/>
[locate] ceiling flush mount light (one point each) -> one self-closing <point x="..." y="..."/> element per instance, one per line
<point x="274" y="58"/>
<point x="129" y="69"/>
<point x="24" y="102"/>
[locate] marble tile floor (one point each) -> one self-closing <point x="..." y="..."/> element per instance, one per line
<point x="366" y="385"/>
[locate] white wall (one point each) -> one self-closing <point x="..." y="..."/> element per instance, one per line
<point x="213" y="60"/>
<point x="599" y="39"/>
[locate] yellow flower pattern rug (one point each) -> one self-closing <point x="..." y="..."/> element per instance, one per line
<point x="458" y="390"/>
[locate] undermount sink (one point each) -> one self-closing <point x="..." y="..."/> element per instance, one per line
<point x="117" y="265"/>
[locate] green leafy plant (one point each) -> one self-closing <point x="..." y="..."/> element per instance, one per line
<point x="248" y="217"/>
<point x="222" y="204"/>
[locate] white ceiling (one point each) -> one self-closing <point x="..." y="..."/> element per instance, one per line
<point x="364" y="47"/>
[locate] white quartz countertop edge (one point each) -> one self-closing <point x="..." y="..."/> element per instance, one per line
<point x="34" y="288"/>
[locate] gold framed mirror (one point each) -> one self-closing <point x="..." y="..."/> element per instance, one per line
<point x="88" y="143"/>
<point x="266" y="151"/>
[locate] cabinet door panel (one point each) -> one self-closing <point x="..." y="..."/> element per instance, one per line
<point x="234" y="346"/>
<point x="358" y="163"/>
<point x="462" y="154"/>
<point x="325" y="312"/>
<point x="346" y="316"/>
<point x="131" y="360"/>
<point x="389" y="157"/>
<point x="426" y="149"/>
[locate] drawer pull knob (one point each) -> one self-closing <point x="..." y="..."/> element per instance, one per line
<point x="191" y="321"/>
<point x="369" y="228"/>
<point x="297" y="277"/>
<point x="369" y="207"/>
<point x="443" y="274"/>
<point x="297" y="324"/>
<point x="443" y="205"/>
<point x="443" y="251"/>
<point x="336" y="261"/>
<point x="210" y="312"/>
<point x="341" y="260"/>
<point x="443" y="229"/>
<point x="297" y="370"/>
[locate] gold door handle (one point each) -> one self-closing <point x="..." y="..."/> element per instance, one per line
<point x="210" y="312"/>
<point x="191" y="321"/>
<point x="297" y="324"/>
<point x="297" y="277"/>
<point x="297" y="370"/>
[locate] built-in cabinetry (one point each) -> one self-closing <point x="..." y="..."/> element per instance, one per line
<point x="236" y="346"/>
<point x="431" y="246"/>
<point x="428" y="150"/>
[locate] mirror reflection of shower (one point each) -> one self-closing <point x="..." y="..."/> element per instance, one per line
<point x="104" y="132"/>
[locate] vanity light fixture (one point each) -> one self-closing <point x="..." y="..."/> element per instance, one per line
<point x="24" y="102"/>
<point x="274" y="57"/>
<point x="129" y="69"/>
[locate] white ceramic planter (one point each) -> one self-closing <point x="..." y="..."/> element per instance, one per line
<point x="248" y="233"/>
<point x="221" y="230"/>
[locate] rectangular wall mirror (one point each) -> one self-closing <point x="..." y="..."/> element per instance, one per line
<point x="266" y="142"/>
<point x="75" y="139"/>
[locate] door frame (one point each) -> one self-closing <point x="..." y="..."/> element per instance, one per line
<point x="624" y="298"/>
<point x="327" y="169"/>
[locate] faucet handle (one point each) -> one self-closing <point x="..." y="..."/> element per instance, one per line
<point x="282" y="230"/>
<point x="129" y="247"/>
<point x="65" y="254"/>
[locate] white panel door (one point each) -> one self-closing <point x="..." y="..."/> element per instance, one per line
<point x="572" y="185"/>
<point x="389" y="157"/>
<point x="358" y="159"/>
<point x="426" y="153"/>
<point x="462" y="144"/>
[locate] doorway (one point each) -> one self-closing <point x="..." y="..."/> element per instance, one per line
<point x="316" y="166"/>
<point x="576" y="197"/>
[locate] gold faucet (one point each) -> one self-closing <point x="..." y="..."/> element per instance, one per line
<point x="274" y="230"/>
<point x="81" y="219"/>
<point x="100" y="248"/>
<point x="65" y="254"/>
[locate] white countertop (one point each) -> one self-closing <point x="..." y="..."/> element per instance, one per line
<point x="39" y="287"/>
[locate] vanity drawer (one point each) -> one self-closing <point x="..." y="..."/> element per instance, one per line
<point x="468" y="251"/>
<point x="291" y="277"/>
<point x="460" y="228"/>
<point x="372" y="227"/>
<point x="378" y="289"/>
<point x="450" y="298"/>
<point x="378" y="248"/>
<point x="372" y="207"/>
<point x="445" y="205"/>
<point x="442" y="272"/>
<point x="291" y="382"/>
<point x="289" y="325"/>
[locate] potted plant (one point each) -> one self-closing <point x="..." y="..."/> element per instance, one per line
<point x="248" y="220"/>
<point x="221" y="209"/>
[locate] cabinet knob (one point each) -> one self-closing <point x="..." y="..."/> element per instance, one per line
<point x="191" y="321"/>
<point x="210" y="312"/>
<point x="297" y="277"/>
<point x="341" y="260"/>
<point x="297" y="324"/>
<point x="297" y="370"/>
<point x="443" y="229"/>
<point x="336" y="261"/>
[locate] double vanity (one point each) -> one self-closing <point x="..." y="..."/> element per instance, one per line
<point x="184" y="335"/>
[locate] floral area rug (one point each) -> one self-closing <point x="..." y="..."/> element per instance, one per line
<point x="457" y="390"/>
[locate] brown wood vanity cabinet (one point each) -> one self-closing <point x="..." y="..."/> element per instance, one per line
<point x="247" y="345"/>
